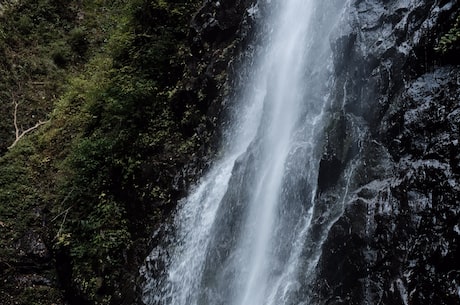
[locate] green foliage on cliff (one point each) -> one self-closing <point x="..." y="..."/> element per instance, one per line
<point x="451" y="39"/>
<point x="94" y="180"/>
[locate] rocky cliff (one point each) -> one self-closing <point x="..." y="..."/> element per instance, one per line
<point x="389" y="173"/>
<point x="393" y="153"/>
<point x="138" y="118"/>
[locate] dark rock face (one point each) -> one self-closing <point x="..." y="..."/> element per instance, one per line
<point x="397" y="241"/>
<point x="29" y="269"/>
<point x="219" y="37"/>
<point x="32" y="245"/>
<point x="391" y="149"/>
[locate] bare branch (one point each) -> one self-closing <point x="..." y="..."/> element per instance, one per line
<point x="19" y="134"/>
<point x="15" y="114"/>
<point x="66" y="210"/>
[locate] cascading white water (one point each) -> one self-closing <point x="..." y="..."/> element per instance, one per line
<point x="242" y="234"/>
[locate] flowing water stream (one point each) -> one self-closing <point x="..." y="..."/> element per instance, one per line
<point x="243" y="235"/>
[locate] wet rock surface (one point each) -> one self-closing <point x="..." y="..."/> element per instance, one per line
<point x="397" y="240"/>
<point x="220" y="39"/>
<point x="391" y="152"/>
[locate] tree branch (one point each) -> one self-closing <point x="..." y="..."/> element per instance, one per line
<point x="15" y="115"/>
<point x="19" y="134"/>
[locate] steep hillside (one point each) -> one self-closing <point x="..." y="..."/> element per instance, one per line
<point x="122" y="100"/>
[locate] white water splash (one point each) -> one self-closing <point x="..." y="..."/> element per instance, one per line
<point x="241" y="234"/>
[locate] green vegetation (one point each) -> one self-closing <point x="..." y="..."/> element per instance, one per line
<point x="89" y="180"/>
<point x="451" y="39"/>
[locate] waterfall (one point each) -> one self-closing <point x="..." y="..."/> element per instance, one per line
<point x="244" y="234"/>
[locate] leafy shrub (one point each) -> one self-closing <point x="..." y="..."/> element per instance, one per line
<point x="451" y="39"/>
<point x="61" y="54"/>
<point x="78" y="40"/>
<point x="103" y="168"/>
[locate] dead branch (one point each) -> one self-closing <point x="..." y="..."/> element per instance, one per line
<point x="18" y="133"/>
<point x="60" y="214"/>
